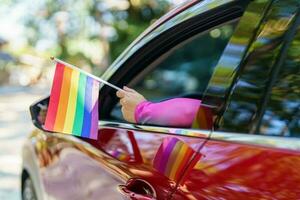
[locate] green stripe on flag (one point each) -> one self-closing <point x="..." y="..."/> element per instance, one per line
<point x="77" y="126"/>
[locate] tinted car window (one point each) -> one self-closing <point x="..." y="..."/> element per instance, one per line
<point x="187" y="68"/>
<point x="249" y="94"/>
<point x="282" y="112"/>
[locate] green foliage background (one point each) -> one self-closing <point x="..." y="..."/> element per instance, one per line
<point x="89" y="32"/>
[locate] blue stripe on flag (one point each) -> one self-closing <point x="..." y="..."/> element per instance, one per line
<point x="87" y="119"/>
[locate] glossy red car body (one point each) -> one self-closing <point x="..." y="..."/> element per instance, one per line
<point x="242" y="157"/>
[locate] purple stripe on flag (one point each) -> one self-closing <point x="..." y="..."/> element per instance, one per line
<point x="95" y="117"/>
<point x="166" y="154"/>
<point x="85" y="132"/>
<point x="116" y="154"/>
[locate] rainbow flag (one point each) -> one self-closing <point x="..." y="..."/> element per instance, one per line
<point x="175" y="158"/>
<point x="122" y="156"/>
<point x="203" y="118"/>
<point x="73" y="105"/>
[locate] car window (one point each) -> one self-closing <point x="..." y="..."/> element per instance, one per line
<point x="187" y="68"/>
<point x="257" y="104"/>
<point x="181" y="17"/>
<point x="184" y="71"/>
<point x="282" y="112"/>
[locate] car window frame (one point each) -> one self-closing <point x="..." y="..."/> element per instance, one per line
<point x="191" y="27"/>
<point x="155" y="65"/>
<point x="183" y="15"/>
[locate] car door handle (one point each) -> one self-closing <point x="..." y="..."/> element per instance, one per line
<point x="138" y="189"/>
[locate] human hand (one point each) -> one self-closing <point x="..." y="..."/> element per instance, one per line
<point x="129" y="99"/>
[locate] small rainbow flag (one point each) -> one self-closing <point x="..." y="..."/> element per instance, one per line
<point x="203" y="118"/>
<point x="73" y="105"/>
<point x="122" y="156"/>
<point x="174" y="157"/>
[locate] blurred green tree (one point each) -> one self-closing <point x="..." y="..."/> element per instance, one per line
<point x="91" y="32"/>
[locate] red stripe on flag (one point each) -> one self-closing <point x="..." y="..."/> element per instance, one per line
<point x="184" y="163"/>
<point x="54" y="98"/>
<point x="63" y="100"/>
<point x="209" y="118"/>
<point x="191" y="166"/>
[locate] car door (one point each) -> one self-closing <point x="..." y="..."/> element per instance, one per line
<point x="253" y="153"/>
<point x="139" y="152"/>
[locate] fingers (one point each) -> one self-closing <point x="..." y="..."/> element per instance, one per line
<point x="120" y="94"/>
<point x="125" y="92"/>
<point x="127" y="89"/>
<point x="123" y="101"/>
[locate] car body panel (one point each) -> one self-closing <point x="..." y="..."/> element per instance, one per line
<point x="67" y="171"/>
<point x="136" y="150"/>
<point x="237" y="170"/>
<point x="30" y="165"/>
<point x="66" y="165"/>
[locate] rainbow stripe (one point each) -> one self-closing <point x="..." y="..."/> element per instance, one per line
<point x="173" y="158"/>
<point x="203" y="119"/>
<point x="73" y="105"/>
<point x="122" y="156"/>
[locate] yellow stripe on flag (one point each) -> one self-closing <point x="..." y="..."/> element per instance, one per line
<point x="180" y="156"/>
<point x="173" y="157"/>
<point x="68" y="126"/>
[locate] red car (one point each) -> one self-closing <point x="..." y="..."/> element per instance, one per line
<point x="242" y="59"/>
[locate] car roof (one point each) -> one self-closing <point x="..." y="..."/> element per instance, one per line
<point x="169" y="15"/>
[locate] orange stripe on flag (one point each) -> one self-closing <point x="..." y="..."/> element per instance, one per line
<point x="187" y="158"/>
<point x="63" y="100"/>
<point x="179" y="161"/>
<point x="190" y="167"/>
<point x="173" y="157"/>
<point x="202" y="119"/>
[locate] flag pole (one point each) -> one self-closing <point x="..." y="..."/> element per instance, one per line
<point x="86" y="73"/>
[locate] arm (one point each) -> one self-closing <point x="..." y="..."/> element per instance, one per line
<point x="174" y="112"/>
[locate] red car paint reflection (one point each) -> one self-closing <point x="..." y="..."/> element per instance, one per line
<point x="237" y="171"/>
<point x="63" y="162"/>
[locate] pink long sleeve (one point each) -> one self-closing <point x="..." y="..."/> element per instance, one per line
<point x="179" y="112"/>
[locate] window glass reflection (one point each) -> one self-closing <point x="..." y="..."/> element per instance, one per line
<point x="282" y="115"/>
<point x="187" y="68"/>
<point x="248" y="97"/>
